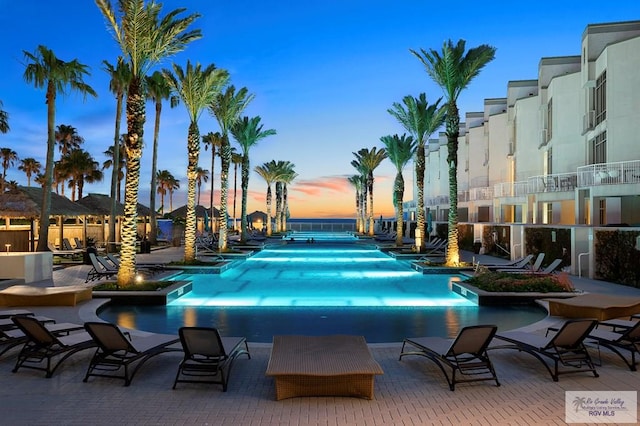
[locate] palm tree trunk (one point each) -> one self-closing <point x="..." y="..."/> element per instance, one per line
<point x="453" y="130"/>
<point x="43" y="232"/>
<point x="115" y="174"/>
<point x="192" y="175"/>
<point x="224" y="189"/>
<point x="154" y="166"/>
<point x="420" y="217"/>
<point x="269" y="231"/>
<point x="278" y="206"/>
<point x="285" y="207"/>
<point x="399" y="195"/>
<point x="133" y="149"/>
<point x="235" y="193"/>
<point x="213" y="175"/>
<point x="370" y="185"/>
<point x="245" y="187"/>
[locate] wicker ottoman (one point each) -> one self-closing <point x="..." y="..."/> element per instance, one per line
<point x="322" y="366"/>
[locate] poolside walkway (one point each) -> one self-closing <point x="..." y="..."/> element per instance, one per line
<point x="411" y="392"/>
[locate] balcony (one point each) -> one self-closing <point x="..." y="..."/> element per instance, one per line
<point x="511" y="189"/>
<point x="558" y="182"/>
<point x="622" y="172"/>
<point x="485" y="193"/>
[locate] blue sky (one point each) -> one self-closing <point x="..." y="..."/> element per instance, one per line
<point x="324" y="74"/>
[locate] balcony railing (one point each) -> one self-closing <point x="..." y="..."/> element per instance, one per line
<point x="553" y="183"/>
<point x="511" y="189"/>
<point x="485" y="193"/>
<point x="622" y="172"/>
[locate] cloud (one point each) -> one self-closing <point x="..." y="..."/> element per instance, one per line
<point x="314" y="187"/>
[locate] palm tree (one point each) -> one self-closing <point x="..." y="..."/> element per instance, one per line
<point x="247" y="132"/>
<point x="236" y="160"/>
<point x="362" y="228"/>
<point x="284" y="169"/>
<point x="356" y="181"/>
<point x="286" y="179"/>
<point x="370" y="160"/>
<point x="145" y="39"/>
<point x="226" y="108"/>
<point x="213" y="140"/>
<point x="81" y="168"/>
<point x="202" y="175"/>
<point x="400" y="149"/>
<point x="172" y="185"/>
<point x="4" y="120"/>
<point x="9" y="157"/>
<point x="120" y="78"/>
<point x="270" y="173"/>
<point x="30" y="166"/>
<point x="46" y="70"/>
<point x="111" y="160"/>
<point x="163" y="180"/>
<point x="68" y="139"/>
<point x="419" y="119"/>
<point x="157" y="91"/>
<point x="452" y="70"/>
<point x="196" y="87"/>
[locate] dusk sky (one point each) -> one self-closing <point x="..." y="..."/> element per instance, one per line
<point x="323" y="73"/>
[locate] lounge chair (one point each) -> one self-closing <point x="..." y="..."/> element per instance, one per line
<point x="565" y="347"/>
<point x="115" y="352"/>
<point x="98" y="270"/>
<point x="535" y="267"/>
<point x="8" y="313"/>
<point x="629" y="340"/>
<point x="550" y="269"/>
<point x="517" y="264"/>
<point x="79" y="244"/>
<point x="8" y="324"/>
<point x="466" y="354"/>
<point x="43" y="345"/>
<point x="207" y="355"/>
<point x="64" y="253"/>
<point x="151" y="267"/>
<point x="10" y="338"/>
<point x="66" y="245"/>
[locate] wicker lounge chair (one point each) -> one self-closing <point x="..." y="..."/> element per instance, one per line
<point x="565" y="347"/>
<point x="629" y="340"/>
<point x="549" y="269"/>
<point x="98" y="270"/>
<point x="516" y="264"/>
<point x="467" y="354"/>
<point x="534" y="268"/>
<point x="208" y="356"/>
<point x="43" y="345"/>
<point x="116" y="352"/>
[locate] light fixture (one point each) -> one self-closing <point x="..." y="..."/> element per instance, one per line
<point x="8" y="247"/>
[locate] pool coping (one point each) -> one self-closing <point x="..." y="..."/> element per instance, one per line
<point x="159" y="297"/>
<point x="487" y="298"/>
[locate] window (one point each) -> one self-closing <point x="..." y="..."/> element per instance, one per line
<point x="549" y="213"/>
<point x="549" y="120"/>
<point x="602" y="211"/>
<point x="598" y="149"/>
<point x="601" y="98"/>
<point x="550" y="161"/>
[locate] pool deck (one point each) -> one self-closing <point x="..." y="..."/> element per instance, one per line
<point x="411" y="392"/>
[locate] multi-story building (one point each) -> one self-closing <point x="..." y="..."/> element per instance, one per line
<point x="560" y="150"/>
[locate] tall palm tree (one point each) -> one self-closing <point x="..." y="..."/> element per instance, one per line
<point x="360" y="168"/>
<point x="202" y="175"/>
<point x="196" y="87"/>
<point x="81" y="168"/>
<point x="419" y="119"/>
<point x="163" y="180"/>
<point x="68" y="139"/>
<point x="119" y="158"/>
<point x="236" y="160"/>
<point x="9" y="157"/>
<point x="284" y="169"/>
<point x="213" y="140"/>
<point x="45" y="70"/>
<point x="270" y="173"/>
<point x="120" y="78"/>
<point x="226" y="108"/>
<point x="172" y="185"/>
<point x="145" y="39"/>
<point x="453" y="69"/>
<point x="4" y="120"/>
<point x="248" y="132"/>
<point x="356" y="181"/>
<point x="400" y="149"/>
<point x="30" y="166"/>
<point x="157" y="91"/>
<point x="286" y="179"/>
<point x="370" y="160"/>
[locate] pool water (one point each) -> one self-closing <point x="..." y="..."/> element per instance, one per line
<point x="316" y="289"/>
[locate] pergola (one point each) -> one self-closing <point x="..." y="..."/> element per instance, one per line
<point x="26" y="203"/>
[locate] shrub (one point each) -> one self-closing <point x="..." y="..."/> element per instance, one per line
<point x="508" y="282"/>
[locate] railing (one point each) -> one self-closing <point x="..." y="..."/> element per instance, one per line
<point x="553" y="183"/>
<point x="437" y="201"/>
<point x="511" y="189"/>
<point x="485" y="193"/>
<point x="622" y="172"/>
<point x="322" y="226"/>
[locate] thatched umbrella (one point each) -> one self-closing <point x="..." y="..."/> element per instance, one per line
<point x="201" y="212"/>
<point x="259" y="218"/>
<point x="26" y="203"/>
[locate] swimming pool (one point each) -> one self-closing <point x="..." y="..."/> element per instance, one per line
<point x="316" y="289"/>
